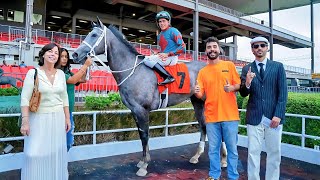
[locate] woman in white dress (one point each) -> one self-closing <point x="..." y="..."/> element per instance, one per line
<point x="45" y="131"/>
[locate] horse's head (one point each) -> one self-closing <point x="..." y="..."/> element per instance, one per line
<point x="93" y="44"/>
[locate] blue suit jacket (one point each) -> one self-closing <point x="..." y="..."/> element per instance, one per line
<point x="267" y="96"/>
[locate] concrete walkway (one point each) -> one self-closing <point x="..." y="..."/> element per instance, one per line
<point x="172" y="163"/>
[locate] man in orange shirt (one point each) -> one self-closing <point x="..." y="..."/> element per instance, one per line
<point x="218" y="82"/>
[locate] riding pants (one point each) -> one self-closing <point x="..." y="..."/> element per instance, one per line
<point x="150" y="61"/>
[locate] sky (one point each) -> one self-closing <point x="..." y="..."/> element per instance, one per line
<point x="298" y="21"/>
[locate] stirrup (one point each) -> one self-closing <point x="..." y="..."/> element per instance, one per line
<point x="166" y="81"/>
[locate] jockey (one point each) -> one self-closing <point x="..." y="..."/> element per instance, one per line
<point x="171" y="45"/>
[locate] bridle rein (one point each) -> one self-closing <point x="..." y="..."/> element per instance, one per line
<point x="93" y="54"/>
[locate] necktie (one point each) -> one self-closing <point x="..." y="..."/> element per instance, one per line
<point x="261" y="70"/>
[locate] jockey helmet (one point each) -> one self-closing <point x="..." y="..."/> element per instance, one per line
<point x="163" y="14"/>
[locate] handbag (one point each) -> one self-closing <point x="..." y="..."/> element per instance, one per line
<point x="34" y="102"/>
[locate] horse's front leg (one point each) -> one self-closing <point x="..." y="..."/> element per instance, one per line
<point x="142" y="121"/>
<point x="200" y="149"/>
<point x="223" y="152"/>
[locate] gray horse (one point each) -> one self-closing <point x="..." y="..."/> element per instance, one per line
<point x="10" y="80"/>
<point x="138" y="83"/>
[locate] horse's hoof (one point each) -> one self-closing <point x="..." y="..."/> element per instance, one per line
<point x="142" y="172"/>
<point x="139" y="165"/>
<point x="224" y="164"/>
<point x="194" y="160"/>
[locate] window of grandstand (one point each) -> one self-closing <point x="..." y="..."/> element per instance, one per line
<point x="224" y="51"/>
<point x="10" y="15"/>
<point x="15" y="16"/>
<point x="37" y="19"/>
<point x="1" y="14"/>
<point x="292" y="82"/>
<point x="305" y="82"/>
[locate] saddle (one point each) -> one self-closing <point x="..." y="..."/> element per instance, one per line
<point x="181" y="85"/>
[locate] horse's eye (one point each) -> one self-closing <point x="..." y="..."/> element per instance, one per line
<point x="94" y="35"/>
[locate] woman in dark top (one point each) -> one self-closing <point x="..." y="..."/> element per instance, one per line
<point x="72" y="81"/>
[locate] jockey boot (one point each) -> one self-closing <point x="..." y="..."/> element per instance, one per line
<point x="163" y="73"/>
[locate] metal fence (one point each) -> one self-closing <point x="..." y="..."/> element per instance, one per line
<point x="241" y="15"/>
<point x="101" y="85"/>
<point x="303" y="134"/>
<point x="297" y="69"/>
<point x="166" y="126"/>
<point x="12" y="33"/>
<point x="70" y="40"/>
<point x="302" y="89"/>
<point x="94" y="131"/>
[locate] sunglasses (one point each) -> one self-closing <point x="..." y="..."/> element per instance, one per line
<point x="256" y="46"/>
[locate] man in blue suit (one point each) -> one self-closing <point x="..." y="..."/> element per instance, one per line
<point x="265" y="82"/>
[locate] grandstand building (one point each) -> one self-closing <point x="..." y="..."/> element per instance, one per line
<point x="25" y="26"/>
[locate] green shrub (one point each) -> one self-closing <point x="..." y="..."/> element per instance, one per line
<point x="119" y="121"/>
<point x="307" y="104"/>
<point x="243" y="105"/>
<point x="103" y="102"/>
<point x="299" y="103"/>
<point x="239" y="100"/>
<point x="9" y="128"/>
<point x="9" y="92"/>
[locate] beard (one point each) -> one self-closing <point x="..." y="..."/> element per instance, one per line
<point x="260" y="54"/>
<point x="213" y="55"/>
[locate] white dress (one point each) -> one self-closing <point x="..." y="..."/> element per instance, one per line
<point x="45" y="148"/>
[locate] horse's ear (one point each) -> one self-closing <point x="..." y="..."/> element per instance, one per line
<point x="93" y="24"/>
<point x="99" y="22"/>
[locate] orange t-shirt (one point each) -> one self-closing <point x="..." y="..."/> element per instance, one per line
<point x="219" y="105"/>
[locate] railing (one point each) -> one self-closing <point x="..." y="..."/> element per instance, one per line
<point x="303" y="134"/>
<point x="98" y="149"/>
<point x="297" y="69"/>
<point x="238" y="14"/>
<point x="303" y="89"/>
<point x="10" y="33"/>
<point x="97" y="85"/>
<point x="294" y="69"/>
<point x="101" y="84"/>
<point x="94" y="131"/>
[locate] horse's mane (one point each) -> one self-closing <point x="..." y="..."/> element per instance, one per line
<point x="121" y="38"/>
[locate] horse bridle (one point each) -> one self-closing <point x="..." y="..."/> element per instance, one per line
<point x="93" y="54"/>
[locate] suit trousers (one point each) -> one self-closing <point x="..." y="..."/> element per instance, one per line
<point x="257" y="135"/>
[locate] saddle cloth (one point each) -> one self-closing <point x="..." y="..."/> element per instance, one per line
<point x="181" y="85"/>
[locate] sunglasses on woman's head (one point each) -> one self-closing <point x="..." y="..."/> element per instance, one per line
<point x="256" y="46"/>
